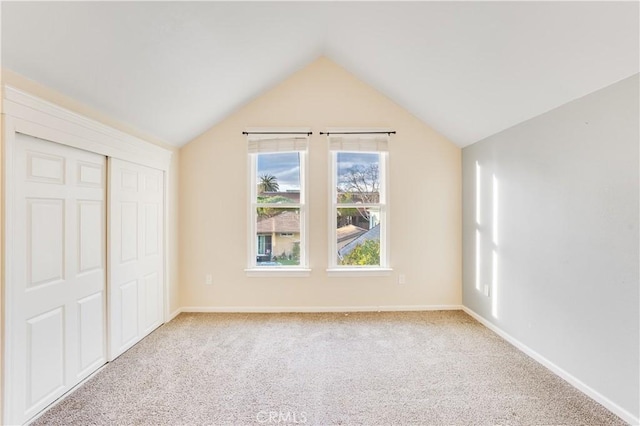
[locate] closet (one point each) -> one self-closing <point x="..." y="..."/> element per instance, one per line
<point x="84" y="249"/>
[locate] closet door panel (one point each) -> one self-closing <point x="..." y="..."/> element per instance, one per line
<point x="136" y="196"/>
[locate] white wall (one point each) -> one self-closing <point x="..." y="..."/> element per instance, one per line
<point x="567" y="238"/>
<point x="425" y="185"/>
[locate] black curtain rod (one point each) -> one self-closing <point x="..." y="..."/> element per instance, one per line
<point x="393" y="132"/>
<point x="278" y="133"/>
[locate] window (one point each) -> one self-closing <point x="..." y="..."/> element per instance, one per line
<point x="277" y="227"/>
<point x="358" y="213"/>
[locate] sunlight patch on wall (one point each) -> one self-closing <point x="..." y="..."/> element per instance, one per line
<point x="486" y="237"/>
<point x="494" y="284"/>
<point x="478" y="192"/>
<point x="494" y="256"/>
<point x="478" y="253"/>
<point x="494" y="211"/>
<point x="478" y="262"/>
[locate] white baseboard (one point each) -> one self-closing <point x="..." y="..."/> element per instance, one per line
<point x="284" y="309"/>
<point x="174" y="314"/>
<point x="574" y="381"/>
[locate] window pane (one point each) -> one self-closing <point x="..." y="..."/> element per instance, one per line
<point x="358" y="236"/>
<point x="277" y="237"/>
<point x="358" y="177"/>
<point x="278" y="178"/>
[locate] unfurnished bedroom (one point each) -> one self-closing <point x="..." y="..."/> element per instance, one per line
<point x="322" y="213"/>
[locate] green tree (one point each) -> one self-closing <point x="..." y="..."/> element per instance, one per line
<point x="269" y="211"/>
<point x="268" y="183"/>
<point x="367" y="253"/>
<point x="276" y="199"/>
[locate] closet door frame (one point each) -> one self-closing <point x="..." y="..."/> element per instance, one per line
<point x="30" y="115"/>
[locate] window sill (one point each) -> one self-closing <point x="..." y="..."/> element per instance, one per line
<point x="361" y="272"/>
<point x="277" y="272"/>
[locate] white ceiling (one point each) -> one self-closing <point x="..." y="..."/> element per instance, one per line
<point x="467" y="69"/>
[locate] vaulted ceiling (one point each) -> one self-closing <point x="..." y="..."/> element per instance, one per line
<point x="467" y="69"/>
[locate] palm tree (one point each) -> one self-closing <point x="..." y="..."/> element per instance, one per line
<point x="268" y="183"/>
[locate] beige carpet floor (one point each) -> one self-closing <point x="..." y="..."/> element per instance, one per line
<point x="409" y="368"/>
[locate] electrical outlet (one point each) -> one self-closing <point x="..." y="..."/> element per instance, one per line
<point x="402" y="279"/>
<point x="208" y="279"/>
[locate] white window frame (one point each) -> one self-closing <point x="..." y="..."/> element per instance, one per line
<point x="269" y="143"/>
<point x="358" y="145"/>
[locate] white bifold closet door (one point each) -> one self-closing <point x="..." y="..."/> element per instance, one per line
<point x="56" y="290"/>
<point x="136" y="261"/>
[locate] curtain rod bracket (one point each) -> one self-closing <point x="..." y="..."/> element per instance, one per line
<point x="392" y="132"/>
<point x="278" y="133"/>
